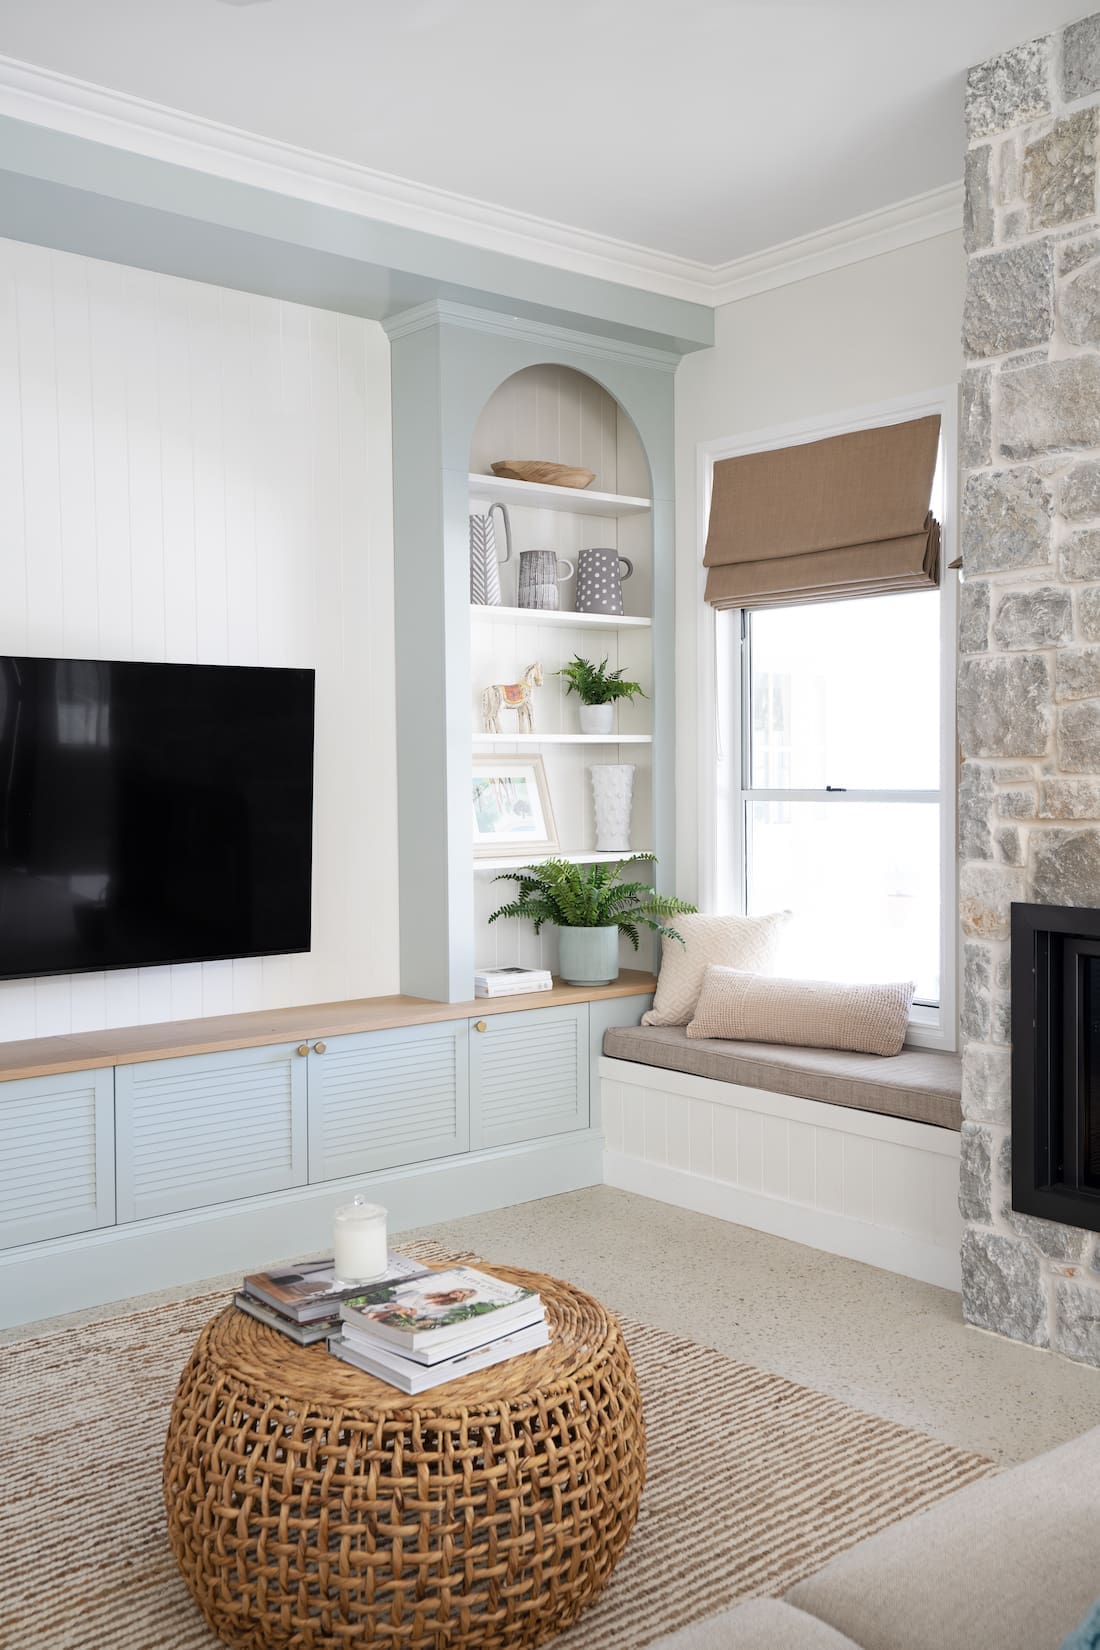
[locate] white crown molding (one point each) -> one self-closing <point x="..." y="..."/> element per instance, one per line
<point x="65" y="104"/>
<point x="921" y="218"/>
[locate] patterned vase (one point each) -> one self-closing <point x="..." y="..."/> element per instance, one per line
<point x="613" y="793"/>
<point x="484" y="566"/>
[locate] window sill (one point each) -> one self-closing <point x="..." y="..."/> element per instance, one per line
<point x="926" y="1030"/>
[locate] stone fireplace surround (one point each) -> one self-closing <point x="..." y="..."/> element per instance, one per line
<point x="1029" y="643"/>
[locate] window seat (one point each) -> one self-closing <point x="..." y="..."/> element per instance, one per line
<point x="923" y="1085"/>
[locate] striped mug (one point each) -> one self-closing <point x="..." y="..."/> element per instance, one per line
<point x="539" y="579"/>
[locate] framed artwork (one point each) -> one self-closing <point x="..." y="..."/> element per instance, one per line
<point x="511" y="807"/>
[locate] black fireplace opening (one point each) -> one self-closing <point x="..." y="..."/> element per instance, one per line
<point x="1056" y="1063"/>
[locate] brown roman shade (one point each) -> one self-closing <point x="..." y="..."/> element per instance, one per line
<point x="847" y="516"/>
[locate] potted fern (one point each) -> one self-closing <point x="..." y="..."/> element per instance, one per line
<point x="597" y="688"/>
<point x="591" y="906"/>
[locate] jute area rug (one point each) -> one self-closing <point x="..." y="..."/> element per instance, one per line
<point x="753" y="1483"/>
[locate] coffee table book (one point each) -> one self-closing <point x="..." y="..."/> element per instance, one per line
<point x="302" y="1334"/>
<point x="412" y="1377"/>
<point x="310" y="1290"/>
<point x="442" y="1314"/>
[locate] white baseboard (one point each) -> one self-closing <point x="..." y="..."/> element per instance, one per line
<point x="94" y="1268"/>
<point x="835" y="1234"/>
<point x="878" y="1189"/>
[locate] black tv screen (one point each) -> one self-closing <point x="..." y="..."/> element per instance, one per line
<point x="152" y="813"/>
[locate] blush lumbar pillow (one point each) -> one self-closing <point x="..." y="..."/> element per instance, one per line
<point x="736" y="942"/>
<point x="868" y="1019"/>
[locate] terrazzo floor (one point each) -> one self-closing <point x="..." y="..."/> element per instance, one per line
<point x="884" y="1343"/>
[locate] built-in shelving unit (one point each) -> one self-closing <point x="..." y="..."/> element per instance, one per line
<point x="575" y="501"/>
<point x="560" y="618"/>
<point x="556" y="413"/>
<point x="472" y="388"/>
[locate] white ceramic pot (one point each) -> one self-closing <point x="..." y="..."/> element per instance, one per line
<point x="588" y="956"/>
<point x="598" y="718"/>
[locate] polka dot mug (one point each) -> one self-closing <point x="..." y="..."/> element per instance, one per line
<point x="599" y="581"/>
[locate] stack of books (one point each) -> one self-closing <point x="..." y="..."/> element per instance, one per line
<point x="303" y="1301"/>
<point x="434" y="1329"/>
<point x="511" y="981"/>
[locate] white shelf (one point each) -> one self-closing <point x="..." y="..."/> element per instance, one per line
<point x="491" y="740"/>
<point x="578" y="501"/>
<point x="550" y="616"/>
<point x="514" y="864"/>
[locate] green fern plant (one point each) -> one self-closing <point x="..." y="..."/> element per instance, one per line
<point x="591" y="896"/>
<point x="595" y="684"/>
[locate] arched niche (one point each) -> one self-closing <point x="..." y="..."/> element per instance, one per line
<point x="554" y="412"/>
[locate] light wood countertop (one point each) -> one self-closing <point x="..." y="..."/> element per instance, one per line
<point x="129" y="1045"/>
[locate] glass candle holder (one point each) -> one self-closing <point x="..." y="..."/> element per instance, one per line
<point x="359" y="1241"/>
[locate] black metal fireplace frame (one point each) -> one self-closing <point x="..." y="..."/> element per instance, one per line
<point x="1047" y="1114"/>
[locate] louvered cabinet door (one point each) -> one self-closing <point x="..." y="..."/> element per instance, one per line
<point x="529" y="1075"/>
<point x="381" y="1099"/>
<point x="57" y="1160"/>
<point x="209" y="1128"/>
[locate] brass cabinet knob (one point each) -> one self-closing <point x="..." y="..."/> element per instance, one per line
<point x="319" y="1048"/>
<point x="479" y="1025"/>
<point x="303" y="1048"/>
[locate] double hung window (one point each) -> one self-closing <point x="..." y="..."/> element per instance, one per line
<point x="840" y="799"/>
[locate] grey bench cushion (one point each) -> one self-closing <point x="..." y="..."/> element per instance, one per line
<point x="921" y="1084"/>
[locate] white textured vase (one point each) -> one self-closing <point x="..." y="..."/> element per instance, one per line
<point x="613" y="793"/>
<point x="597" y="718"/>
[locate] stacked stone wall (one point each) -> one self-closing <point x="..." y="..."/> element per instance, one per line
<point x="1029" y="633"/>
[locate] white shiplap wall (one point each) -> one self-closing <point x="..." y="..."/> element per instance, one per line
<point x="199" y="475"/>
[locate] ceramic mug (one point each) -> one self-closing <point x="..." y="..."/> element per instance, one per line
<point x="539" y="579"/>
<point x="599" y="582"/>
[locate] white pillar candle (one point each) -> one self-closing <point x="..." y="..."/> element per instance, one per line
<point x="359" y="1241"/>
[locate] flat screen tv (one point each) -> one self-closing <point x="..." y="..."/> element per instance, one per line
<point x="152" y="813"/>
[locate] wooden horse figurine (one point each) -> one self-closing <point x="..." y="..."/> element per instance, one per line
<point x="512" y="696"/>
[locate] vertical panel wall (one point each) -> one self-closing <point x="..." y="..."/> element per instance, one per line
<point x="200" y="475"/>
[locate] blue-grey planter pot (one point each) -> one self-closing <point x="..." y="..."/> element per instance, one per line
<point x="588" y="956"/>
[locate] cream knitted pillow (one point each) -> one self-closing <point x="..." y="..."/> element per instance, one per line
<point x="737" y="942"/>
<point x="869" y="1019"/>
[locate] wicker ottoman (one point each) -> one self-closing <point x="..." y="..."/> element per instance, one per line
<point x="310" y="1505"/>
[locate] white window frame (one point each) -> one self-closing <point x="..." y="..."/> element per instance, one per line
<point x="723" y="702"/>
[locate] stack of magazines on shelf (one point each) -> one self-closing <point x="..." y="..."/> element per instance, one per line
<point x="512" y="981"/>
<point x="303" y="1301"/>
<point x="433" y="1329"/>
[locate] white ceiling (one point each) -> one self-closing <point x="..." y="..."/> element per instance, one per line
<point x="705" y="129"/>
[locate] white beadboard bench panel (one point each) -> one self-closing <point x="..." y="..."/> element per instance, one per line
<point x="877" y="1189"/>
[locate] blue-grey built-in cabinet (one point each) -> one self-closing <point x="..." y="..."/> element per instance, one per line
<point x="530" y="1073"/>
<point x="380" y="1099"/>
<point x="208" y="1128"/>
<point x="171" y="1169"/>
<point x="57" y="1161"/>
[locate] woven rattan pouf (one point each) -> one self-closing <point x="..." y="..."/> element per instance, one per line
<point x="312" y="1506"/>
